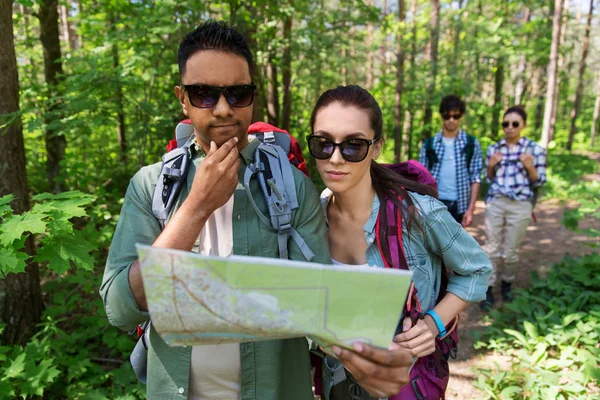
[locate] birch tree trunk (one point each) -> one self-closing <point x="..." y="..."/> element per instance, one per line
<point x="546" y="134"/>
<point x="435" y="36"/>
<point x="398" y="109"/>
<point x="582" y="67"/>
<point x="596" y="113"/>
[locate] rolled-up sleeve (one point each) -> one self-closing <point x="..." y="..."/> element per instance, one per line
<point x="423" y="155"/>
<point x="539" y="161"/>
<point x="490" y="152"/>
<point x="136" y="224"/>
<point x="461" y="254"/>
<point x="476" y="164"/>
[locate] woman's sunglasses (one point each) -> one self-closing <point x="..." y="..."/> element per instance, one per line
<point x="352" y="150"/>
<point x="205" y="96"/>
<point x="515" y="124"/>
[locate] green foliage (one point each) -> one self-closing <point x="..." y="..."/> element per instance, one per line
<point x="75" y="354"/>
<point x="50" y="221"/>
<point x="551" y="333"/>
<point x="566" y="177"/>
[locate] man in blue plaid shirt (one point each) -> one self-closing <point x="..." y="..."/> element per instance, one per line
<point x="516" y="168"/>
<point x="455" y="160"/>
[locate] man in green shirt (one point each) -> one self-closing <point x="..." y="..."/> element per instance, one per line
<point x="213" y="213"/>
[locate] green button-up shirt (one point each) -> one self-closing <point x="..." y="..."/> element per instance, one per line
<point x="275" y="369"/>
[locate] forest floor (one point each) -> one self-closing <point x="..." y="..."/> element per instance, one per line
<point x="547" y="242"/>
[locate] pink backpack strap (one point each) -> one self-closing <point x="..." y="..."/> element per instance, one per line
<point x="394" y="236"/>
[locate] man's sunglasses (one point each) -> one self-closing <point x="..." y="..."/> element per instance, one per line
<point x="451" y="116"/>
<point x="352" y="150"/>
<point x="515" y="124"/>
<point x="205" y="96"/>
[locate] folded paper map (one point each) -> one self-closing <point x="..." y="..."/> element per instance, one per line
<point x="195" y="299"/>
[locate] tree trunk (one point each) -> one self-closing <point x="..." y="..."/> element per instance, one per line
<point x="67" y="27"/>
<point x="596" y="113"/>
<point x="498" y="84"/>
<point x="398" y="111"/>
<point x="456" y="55"/>
<point x="233" y="7"/>
<point x="20" y="294"/>
<point x="546" y="134"/>
<point x="582" y="66"/>
<point x="273" y="93"/>
<point x="412" y="77"/>
<point x="520" y="85"/>
<point x="559" y="70"/>
<point x="370" y="55"/>
<point x="286" y="74"/>
<point x="258" y="110"/>
<point x="121" y="127"/>
<point x="435" y="35"/>
<point x="55" y="140"/>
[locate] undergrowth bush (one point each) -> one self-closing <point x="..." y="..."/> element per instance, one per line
<point x="551" y="331"/>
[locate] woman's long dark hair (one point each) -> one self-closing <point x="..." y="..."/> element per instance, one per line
<point x="388" y="185"/>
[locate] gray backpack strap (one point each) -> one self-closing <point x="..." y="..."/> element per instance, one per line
<point x="175" y="165"/>
<point x="276" y="180"/>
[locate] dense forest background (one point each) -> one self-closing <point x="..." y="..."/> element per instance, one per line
<point x="86" y="99"/>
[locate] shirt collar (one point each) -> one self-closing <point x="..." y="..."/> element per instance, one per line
<point x="369" y="226"/>
<point x="460" y="136"/>
<point x="522" y="141"/>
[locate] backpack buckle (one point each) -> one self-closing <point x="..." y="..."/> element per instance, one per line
<point x="285" y="228"/>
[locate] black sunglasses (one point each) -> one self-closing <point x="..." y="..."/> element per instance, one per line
<point x="352" y="150"/>
<point x="515" y="124"/>
<point x="205" y="96"/>
<point x="452" y="116"/>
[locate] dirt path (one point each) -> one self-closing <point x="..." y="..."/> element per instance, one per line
<point x="546" y="242"/>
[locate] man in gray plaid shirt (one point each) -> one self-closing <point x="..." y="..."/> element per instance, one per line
<point x="455" y="161"/>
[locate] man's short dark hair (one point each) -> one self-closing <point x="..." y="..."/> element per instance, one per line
<point x="213" y="35"/>
<point x="452" y="102"/>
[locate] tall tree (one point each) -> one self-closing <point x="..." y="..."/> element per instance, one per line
<point x="398" y="109"/>
<point x="456" y="59"/>
<point x="560" y="69"/>
<point x="498" y="85"/>
<point x="596" y="112"/>
<point x="370" y="52"/>
<point x="582" y="67"/>
<point x="412" y="59"/>
<point x="272" y="92"/>
<point x="121" y="127"/>
<point x="55" y="140"/>
<point x="286" y="73"/>
<point x="435" y="37"/>
<point x="520" y="85"/>
<point x="546" y="135"/>
<point x="20" y="294"/>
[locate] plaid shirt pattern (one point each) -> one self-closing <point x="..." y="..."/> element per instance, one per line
<point x="511" y="179"/>
<point x="466" y="175"/>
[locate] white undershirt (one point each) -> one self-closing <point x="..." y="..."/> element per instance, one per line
<point x="335" y="262"/>
<point x="215" y="369"/>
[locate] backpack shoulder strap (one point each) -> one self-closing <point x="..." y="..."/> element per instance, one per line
<point x="276" y="180"/>
<point x="175" y="165"/>
<point x="470" y="149"/>
<point x="393" y="227"/>
<point x="430" y="153"/>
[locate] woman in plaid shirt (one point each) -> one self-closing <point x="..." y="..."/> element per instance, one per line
<point x="516" y="168"/>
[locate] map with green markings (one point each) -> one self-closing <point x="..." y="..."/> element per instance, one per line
<point x="195" y="299"/>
